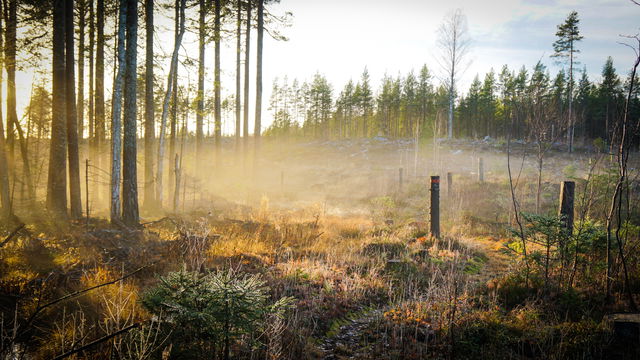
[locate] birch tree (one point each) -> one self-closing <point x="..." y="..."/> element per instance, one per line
<point x="165" y="104"/>
<point x="216" y="83"/>
<point x="258" y="116"/>
<point x="202" y="33"/>
<point x="453" y="42"/>
<point x="149" y="108"/>
<point x="247" y="48"/>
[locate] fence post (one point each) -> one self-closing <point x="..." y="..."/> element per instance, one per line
<point x="435" y="206"/>
<point x="449" y="184"/>
<point x="86" y="187"/>
<point x="176" y="191"/>
<point x="565" y="211"/>
<point x="480" y="170"/>
<point x="400" y="179"/>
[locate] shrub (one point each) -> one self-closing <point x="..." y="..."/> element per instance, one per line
<point x="206" y="313"/>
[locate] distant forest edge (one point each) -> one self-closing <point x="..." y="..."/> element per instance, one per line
<point x="527" y="98"/>
<point x="526" y="104"/>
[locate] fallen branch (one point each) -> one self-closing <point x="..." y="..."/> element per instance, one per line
<point x="155" y="221"/>
<point x="40" y="308"/>
<point x="80" y="292"/>
<point x="12" y="235"/>
<point x="96" y="342"/>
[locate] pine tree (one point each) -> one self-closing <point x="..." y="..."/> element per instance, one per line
<point x="116" y="121"/>
<point x="72" y="121"/>
<point x="149" y="109"/>
<point x="609" y="91"/>
<point x="565" y="48"/>
<point x="57" y="179"/>
<point x="365" y="100"/>
<point x="130" y="214"/>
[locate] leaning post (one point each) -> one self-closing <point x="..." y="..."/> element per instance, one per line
<point x="567" y="195"/>
<point x="86" y="187"/>
<point x="435" y="206"/>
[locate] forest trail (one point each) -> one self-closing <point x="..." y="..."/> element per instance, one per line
<point x="350" y="338"/>
<point x="347" y="341"/>
<point x="497" y="259"/>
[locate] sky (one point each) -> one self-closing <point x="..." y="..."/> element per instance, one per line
<point x="338" y="38"/>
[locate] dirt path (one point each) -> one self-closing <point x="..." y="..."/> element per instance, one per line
<point x="347" y="342"/>
<point x="497" y="262"/>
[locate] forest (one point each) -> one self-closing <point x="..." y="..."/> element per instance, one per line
<point x="159" y="199"/>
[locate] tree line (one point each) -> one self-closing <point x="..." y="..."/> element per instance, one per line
<point x="533" y="99"/>
<point x="528" y="104"/>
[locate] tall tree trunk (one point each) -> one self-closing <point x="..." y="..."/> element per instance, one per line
<point x="149" y="110"/>
<point x="99" y="87"/>
<point x="238" y="86"/>
<point x="571" y="125"/>
<point x="216" y="84"/>
<point x="451" y="100"/>
<point x="258" y="124"/>
<point x="82" y="14"/>
<point x="91" y="110"/>
<point x="12" y="117"/>
<point x="10" y="65"/>
<point x="24" y="154"/>
<point x="200" y="113"/>
<point x="130" y="214"/>
<point x="174" y="104"/>
<point x="5" y="197"/>
<point x="165" y="105"/>
<point x="57" y="179"/>
<point x="72" y="121"/>
<point x="247" y="42"/>
<point x="116" y="121"/>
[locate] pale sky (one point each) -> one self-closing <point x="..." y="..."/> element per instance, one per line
<point x="338" y="38"/>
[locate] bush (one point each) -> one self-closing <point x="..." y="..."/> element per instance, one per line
<point x="207" y="313"/>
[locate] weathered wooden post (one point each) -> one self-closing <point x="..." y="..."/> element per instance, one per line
<point x="565" y="211"/>
<point x="400" y="179"/>
<point x="435" y="206"/>
<point x="480" y="170"/>
<point x="86" y="187"/>
<point x="449" y="184"/>
<point x="176" y="191"/>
